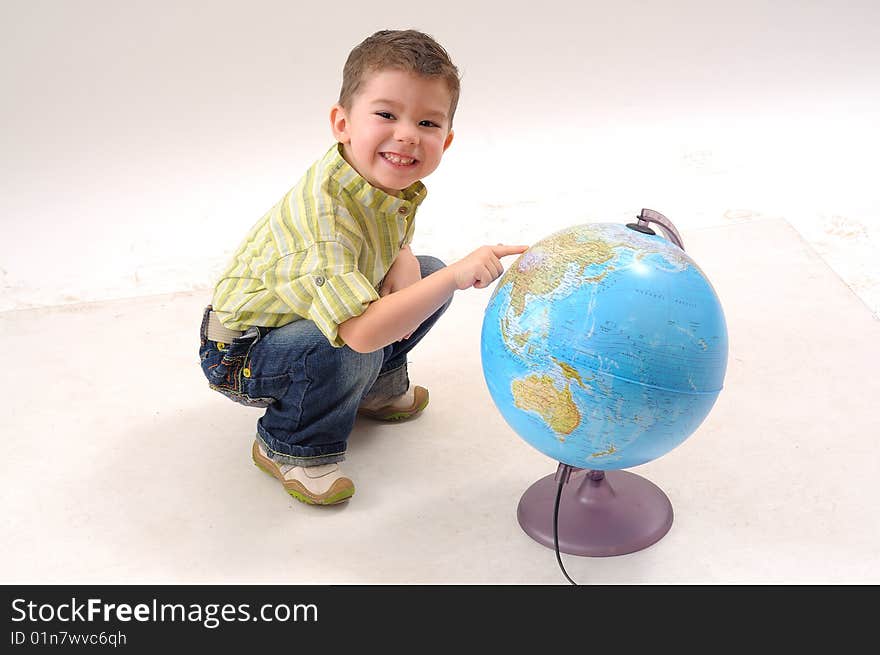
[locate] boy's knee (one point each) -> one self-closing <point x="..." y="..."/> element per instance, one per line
<point x="429" y="264"/>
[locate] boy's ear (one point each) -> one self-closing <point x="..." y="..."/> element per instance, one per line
<point x="448" y="141"/>
<point x="339" y="123"/>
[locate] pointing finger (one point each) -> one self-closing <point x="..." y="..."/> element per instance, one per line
<point x="503" y="251"/>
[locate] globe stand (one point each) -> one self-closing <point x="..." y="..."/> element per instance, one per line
<point x="601" y="513"/>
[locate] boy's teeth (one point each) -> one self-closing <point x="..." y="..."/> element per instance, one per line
<point x="394" y="159"/>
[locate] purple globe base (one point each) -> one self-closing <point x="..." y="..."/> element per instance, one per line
<point x="601" y="513"/>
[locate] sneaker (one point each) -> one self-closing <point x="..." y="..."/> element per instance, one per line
<point x="403" y="407"/>
<point x="316" y="485"/>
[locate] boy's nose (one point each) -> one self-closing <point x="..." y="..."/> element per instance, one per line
<point x="407" y="134"/>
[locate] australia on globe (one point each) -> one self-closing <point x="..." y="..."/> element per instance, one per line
<point x="604" y="347"/>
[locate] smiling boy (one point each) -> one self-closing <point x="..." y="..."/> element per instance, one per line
<point x="316" y="312"/>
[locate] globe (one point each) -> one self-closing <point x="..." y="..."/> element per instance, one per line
<point x="604" y="347"/>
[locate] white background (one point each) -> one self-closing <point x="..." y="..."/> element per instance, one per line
<point x="140" y="140"/>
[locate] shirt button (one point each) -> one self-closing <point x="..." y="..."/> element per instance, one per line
<point x="319" y="281"/>
<point x="402" y="210"/>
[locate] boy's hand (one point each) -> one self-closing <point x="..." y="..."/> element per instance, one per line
<point x="482" y="266"/>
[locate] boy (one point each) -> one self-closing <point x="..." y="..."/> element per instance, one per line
<point x="315" y="314"/>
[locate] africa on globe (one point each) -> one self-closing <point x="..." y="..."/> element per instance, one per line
<point x="604" y="347"/>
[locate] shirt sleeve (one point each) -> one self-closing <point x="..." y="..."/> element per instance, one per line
<point x="324" y="285"/>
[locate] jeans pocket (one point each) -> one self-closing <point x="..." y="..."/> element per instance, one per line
<point x="228" y="370"/>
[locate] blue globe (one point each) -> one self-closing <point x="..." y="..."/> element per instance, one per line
<point x="603" y="347"/>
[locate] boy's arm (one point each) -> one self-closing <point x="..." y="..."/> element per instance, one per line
<point x="391" y="317"/>
<point x="404" y="271"/>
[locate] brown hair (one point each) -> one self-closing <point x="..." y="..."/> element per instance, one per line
<point x="406" y="50"/>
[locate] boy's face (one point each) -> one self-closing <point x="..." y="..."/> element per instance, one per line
<point x="397" y="128"/>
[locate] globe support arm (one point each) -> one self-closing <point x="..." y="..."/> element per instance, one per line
<point x="649" y="216"/>
<point x="564" y="471"/>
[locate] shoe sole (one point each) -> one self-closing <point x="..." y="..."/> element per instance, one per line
<point x="417" y="408"/>
<point x="298" y="491"/>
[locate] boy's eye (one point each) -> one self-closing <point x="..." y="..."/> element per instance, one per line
<point x="428" y="124"/>
<point x="385" y="114"/>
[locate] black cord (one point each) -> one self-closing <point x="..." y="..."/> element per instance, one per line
<point x="556" y="530"/>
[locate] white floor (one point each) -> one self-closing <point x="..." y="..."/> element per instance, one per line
<point x="121" y="466"/>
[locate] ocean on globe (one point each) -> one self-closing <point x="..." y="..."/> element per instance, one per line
<point x="603" y="347"/>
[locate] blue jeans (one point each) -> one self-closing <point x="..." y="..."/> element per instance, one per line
<point x="311" y="390"/>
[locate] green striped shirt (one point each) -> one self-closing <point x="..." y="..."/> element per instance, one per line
<point x="320" y="253"/>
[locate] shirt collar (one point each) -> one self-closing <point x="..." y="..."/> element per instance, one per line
<point x="365" y="193"/>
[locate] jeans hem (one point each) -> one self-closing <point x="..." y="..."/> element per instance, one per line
<point x="389" y="384"/>
<point x="300" y="460"/>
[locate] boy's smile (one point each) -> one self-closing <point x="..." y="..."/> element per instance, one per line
<point x="396" y="130"/>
